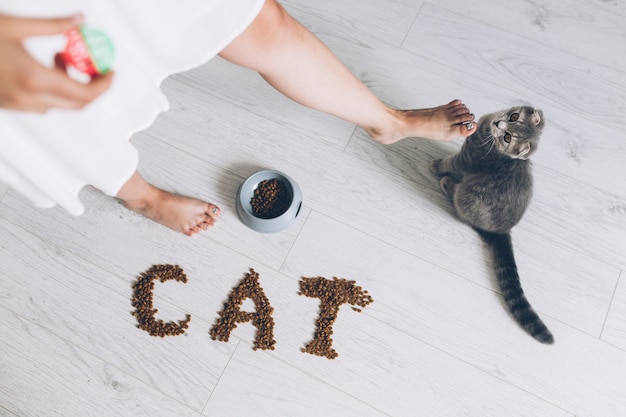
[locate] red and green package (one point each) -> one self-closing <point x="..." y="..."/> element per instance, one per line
<point x="89" y="50"/>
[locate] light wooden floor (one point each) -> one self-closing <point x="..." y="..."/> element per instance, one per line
<point x="436" y="341"/>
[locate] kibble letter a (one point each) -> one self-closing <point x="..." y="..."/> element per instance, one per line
<point x="231" y="314"/>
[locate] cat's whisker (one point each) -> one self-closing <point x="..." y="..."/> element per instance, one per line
<point x="490" y="140"/>
<point x="487" y="141"/>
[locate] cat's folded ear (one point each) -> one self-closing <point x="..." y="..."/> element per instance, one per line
<point x="537" y="117"/>
<point x="525" y="151"/>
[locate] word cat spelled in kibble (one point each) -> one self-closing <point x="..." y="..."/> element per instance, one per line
<point x="332" y="294"/>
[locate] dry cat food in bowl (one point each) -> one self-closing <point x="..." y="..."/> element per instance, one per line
<point x="268" y="201"/>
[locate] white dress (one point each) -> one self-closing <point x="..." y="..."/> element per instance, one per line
<point x="50" y="157"/>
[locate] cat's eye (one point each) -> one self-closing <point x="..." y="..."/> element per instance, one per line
<point x="514" y="117"/>
<point x="507" y="137"/>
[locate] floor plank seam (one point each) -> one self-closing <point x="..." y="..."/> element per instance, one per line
<point x="93" y="355"/>
<point x="293" y="243"/>
<point x="478" y="368"/>
<point x="543" y="44"/>
<point x="313" y="376"/>
<point x="345" y="148"/>
<point x="406" y="35"/>
<point x="217" y="383"/>
<point x="608" y="310"/>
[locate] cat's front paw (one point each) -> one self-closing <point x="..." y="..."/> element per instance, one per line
<point x="434" y="166"/>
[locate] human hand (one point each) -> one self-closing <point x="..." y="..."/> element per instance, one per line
<point x="27" y="85"/>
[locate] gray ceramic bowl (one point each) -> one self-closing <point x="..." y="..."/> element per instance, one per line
<point x="275" y="224"/>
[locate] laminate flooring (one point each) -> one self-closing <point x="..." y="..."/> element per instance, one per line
<point x="437" y="340"/>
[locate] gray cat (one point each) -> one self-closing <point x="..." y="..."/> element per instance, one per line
<point x="489" y="182"/>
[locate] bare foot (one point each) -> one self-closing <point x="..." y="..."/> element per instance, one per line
<point x="182" y="214"/>
<point x="443" y="123"/>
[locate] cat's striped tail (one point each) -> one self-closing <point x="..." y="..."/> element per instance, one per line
<point x="501" y="247"/>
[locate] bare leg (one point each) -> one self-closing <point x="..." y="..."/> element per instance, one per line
<point x="299" y="65"/>
<point x="183" y="214"/>
<point x="295" y="62"/>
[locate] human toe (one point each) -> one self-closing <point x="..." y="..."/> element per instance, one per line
<point x="213" y="211"/>
<point x="208" y="223"/>
<point x="465" y="118"/>
<point x="458" y="110"/>
<point x="468" y="128"/>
